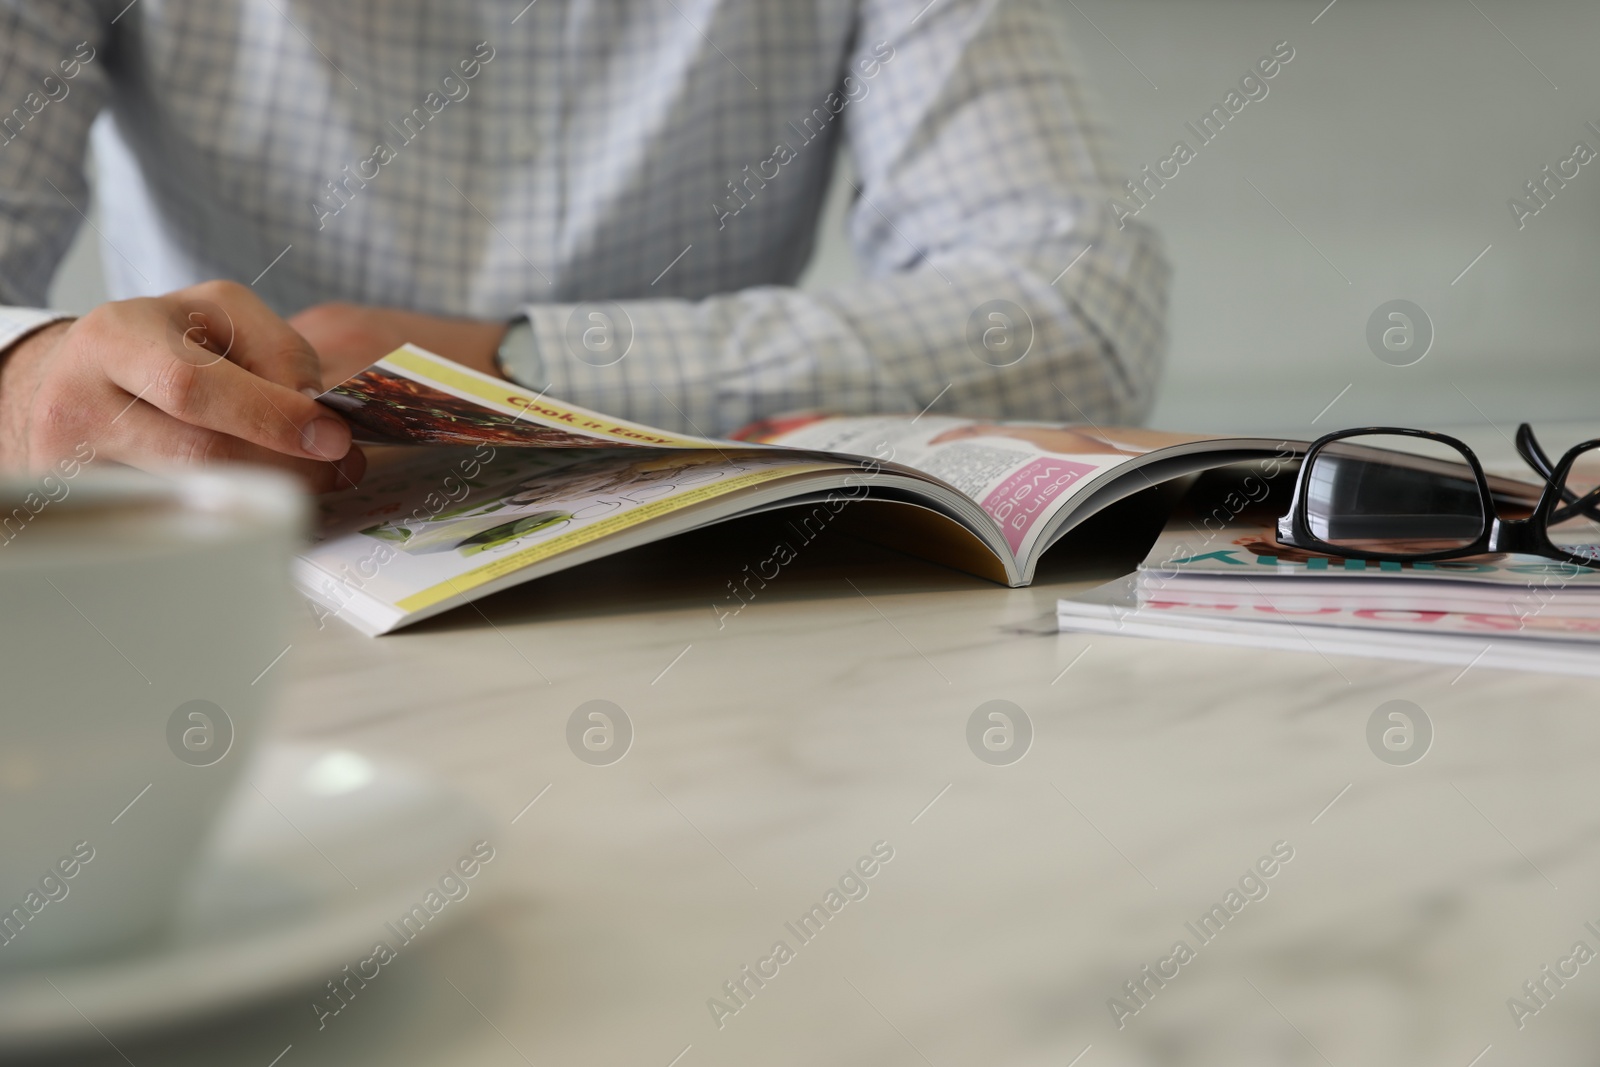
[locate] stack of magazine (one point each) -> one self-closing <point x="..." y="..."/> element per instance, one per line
<point x="1218" y="575"/>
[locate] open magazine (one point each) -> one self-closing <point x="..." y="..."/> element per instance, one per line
<point x="514" y="485"/>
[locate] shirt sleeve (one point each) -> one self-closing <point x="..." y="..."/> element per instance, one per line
<point x="996" y="281"/>
<point x="52" y="85"/>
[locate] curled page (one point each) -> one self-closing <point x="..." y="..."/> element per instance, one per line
<point x="412" y="396"/>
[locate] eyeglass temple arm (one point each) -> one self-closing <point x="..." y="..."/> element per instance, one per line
<point x="1528" y="448"/>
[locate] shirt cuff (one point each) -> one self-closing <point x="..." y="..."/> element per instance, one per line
<point x="17" y="323"/>
<point x="581" y="359"/>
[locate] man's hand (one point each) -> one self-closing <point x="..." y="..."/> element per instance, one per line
<point x="204" y="375"/>
<point x="349" y="337"/>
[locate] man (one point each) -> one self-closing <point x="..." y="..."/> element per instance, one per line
<point x="290" y="189"/>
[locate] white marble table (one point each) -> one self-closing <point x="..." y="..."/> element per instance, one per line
<point x="831" y="714"/>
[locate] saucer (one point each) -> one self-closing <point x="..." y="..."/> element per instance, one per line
<point x="318" y="857"/>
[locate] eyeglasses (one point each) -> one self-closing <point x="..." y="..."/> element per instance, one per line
<point x="1387" y="493"/>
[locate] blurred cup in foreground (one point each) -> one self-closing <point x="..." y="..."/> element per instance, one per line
<point x="138" y="619"/>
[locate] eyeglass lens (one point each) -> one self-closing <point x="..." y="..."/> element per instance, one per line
<point x="1395" y="494"/>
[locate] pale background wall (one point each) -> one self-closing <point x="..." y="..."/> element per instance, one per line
<point x="1392" y="142"/>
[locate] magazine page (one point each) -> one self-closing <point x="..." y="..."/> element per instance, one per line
<point x="1246" y="549"/>
<point x="426" y="527"/>
<point x="1515" y="616"/>
<point x="1021" y="474"/>
<point x="1225" y="529"/>
<point x="412" y="396"/>
<point x="1111" y="609"/>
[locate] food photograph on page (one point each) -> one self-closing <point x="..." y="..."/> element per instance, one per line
<point x="392" y="409"/>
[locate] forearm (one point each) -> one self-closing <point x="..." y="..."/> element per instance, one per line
<point x="16" y="359"/>
<point x="982" y="192"/>
<point x="467" y="341"/>
<point x="1092" y="341"/>
<point x="52" y="84"/>
<point x="350" y="337"/>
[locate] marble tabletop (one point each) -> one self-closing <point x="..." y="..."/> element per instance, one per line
<point x="1333" y="907"/>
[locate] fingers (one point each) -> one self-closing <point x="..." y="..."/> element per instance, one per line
<point x="205" y="376"/>
<point x="214" y="393"/>
<point x="145" y="437"/>
<point x="225" y="320"/>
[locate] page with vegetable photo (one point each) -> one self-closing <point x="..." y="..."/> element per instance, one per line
<point x="426" y="531"/>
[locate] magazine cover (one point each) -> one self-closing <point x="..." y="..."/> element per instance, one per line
<point x="1219" y="557"/>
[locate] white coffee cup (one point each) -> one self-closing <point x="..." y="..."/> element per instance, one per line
<point x="138" y="619"/>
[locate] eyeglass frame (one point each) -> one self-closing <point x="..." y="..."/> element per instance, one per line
<point x="1528" y="535"/>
